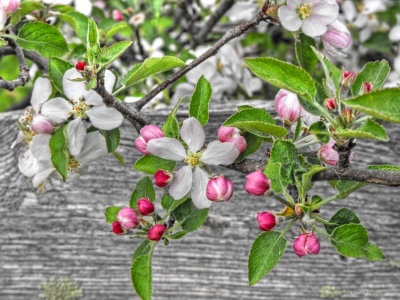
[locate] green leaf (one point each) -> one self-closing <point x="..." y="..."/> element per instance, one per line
<point x="200" y="101"/>
<point x="189" y="216"/>
<point x="170" y="204"/>
<point x="333" y="75"/>
<point x="119" y="157"/>
<point x="57" y="68"/>
<point x="178" y="235"/>
<point x="42" y="38"/>
<point x="369" y="130"/>
<point x="152" y="66"/>
<point x="374" y="73"/>
<point x="92" y="34"/>
<point x="141" y="273"/>
<point x="389" y="168"/>
<point x="108" y="55"/>
<point x="79" y="22"/>
<point x="171" y="127"/>
<point x="144" y="189"/>
<point x="111" y="213"/>
<point x="265" y="253"/>
<point x="150" y="164"/>
<point x="382" y="104"/>
<point x="115" y="29"/>
<point x="341" y="217"/>
<point x="373" y="253"/>
<point x="283" y="75"/>
<point x="112" y="138"/>
<point x="59" y="151"/>
<point x="273" y="173"/>
<point x="130" y="73"/>
<point x="304" y="53"/>
<point x="285" y="153"/>
<point x="253" y="142"/>
<point x="256" y="121"/>
<point x="346" y="187"/>
<point x="25" y="8"/>
<point x="298" y="130"/>
<point x="321" y="131"/>
<point x="3" y="42"/>
<point x="306" y="183"/>
<point x="379" y="41"/>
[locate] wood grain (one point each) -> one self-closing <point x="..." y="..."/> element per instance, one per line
<point x="62" y="233"/>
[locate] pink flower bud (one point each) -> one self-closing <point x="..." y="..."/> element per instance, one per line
<point x="329" y="155"/>
<point x="145" y="207"/>
<point x="163" y="178"/>
<point x="147" y="133"/>
<point x="306" y="243"/>
<point x="257" y="183"/>
<point x="232" y="135"/>
<point x="80" y="66"/>
<point x="330" y="104"/>
<point x="127" y="217"/>
<point x="288" y="106"/>
<point x="219" y="189"/>
<point x="156" y="232"/>
<point x="367" y="88"/>
<point x="117" y="228"/>
<point x="348" y="78"/>
<point x="117" y="15"/>
<point x="10" y="6"/>
<point x="266" y="221"/>
<point x="41" y="124"/>
<point x="337" y="36"/>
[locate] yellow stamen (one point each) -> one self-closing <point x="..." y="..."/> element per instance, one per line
<point x="305" y="10"/>
<point x="193" y="159"/>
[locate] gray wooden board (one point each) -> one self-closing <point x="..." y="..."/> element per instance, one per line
<point x="62" y="233"/>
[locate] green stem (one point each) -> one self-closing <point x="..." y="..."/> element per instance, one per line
<point x="322" y="232"/>
<point x="287" y="228"/>
<point x="319" y="219"/>
<point x="281" y="200"/>
<point x="325" y="114"/>
<point x="323" y="202"/>
<point x="361" y="120"/>
<point x="121" y="89"/>
<point x="289" y="198"/>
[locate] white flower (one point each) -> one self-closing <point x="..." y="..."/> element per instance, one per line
<point x="185" y="179"/>
<point x="312" y="16"/>
<point x="82" y="6"/>
<point x="153" y="49"/>
<point x="102" y="117"/>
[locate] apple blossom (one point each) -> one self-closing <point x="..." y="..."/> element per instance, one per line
<point x="266" y="221"/>
<point x="137" y="19"/>
<point x="329" y="155"/>
<point x="10" y="6"/>
<point x="41" y="124"/>
<point x="232" y="135"/>
<point x="312" y="16"/>
<point x="145" y="207"/>
<point x="191" y="177"/>
<point x="305" y="244"/>
<point x="127" y="217"/>
<point x="117" y="228"/>
<point x="257" y="183"/>
<point x="156" y="232"/>
<point x="147" y="133"/>
<point x="219" y="189"/>
<point x="288" y="106"/>
<point x="163" y="178"/>
<point x="336" y="37"/>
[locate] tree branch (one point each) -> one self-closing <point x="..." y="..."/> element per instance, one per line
<point x="229" y="35"/>
<point x="42" y="62"/>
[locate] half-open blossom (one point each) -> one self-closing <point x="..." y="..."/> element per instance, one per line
<point x="191" y="177"/>
<point x="127" y="217"/>
<point x="257" y="183"/>
<point x="147" y="133"/>
<point x="10" y="5"/>
<point x="305" y="244"/>
<point x="288" y="106"/>
<point x="163" y="178"/>
<point x="312" y="16"/>
<point x="329" y="155"/>
<point x="156" y="232"/>
<point x="266" y="221"/>
<point x="41" y="124"/>
<point x="117" y="228"/>
<point x="232" y="135"/>
<point x="117" y="15"/>
<point x="336" y="37"/>
<point x="219" y="189"/>
<point x="145" y="206"/>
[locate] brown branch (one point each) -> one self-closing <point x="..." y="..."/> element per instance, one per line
<point x="42" y="62"/>
<point x="229" y="35"/>
<point x="224" y="6"/>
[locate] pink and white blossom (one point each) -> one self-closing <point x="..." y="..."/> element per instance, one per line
<point x="41" y="124"/>
<point x="337" y="37"/>
<point x="287" y="106"/>
<point x="147" y="133"/>
<point x="232" y="135"/>
<point x="191" y="177"/>
<point x="127" y="217"/>
<point x="219" y="189"/>
<point x="10" y="6"/>
<point x="257" y="183"/>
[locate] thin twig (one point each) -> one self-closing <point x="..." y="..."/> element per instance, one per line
<point x="41" y="62"/>
<point x="229" y="35"/>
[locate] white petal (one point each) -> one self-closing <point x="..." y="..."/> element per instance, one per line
<point x="157" y="44"/>
<point x="3" y="18"/>
<point x="28" y="164"/>
<point x="74" y="90"/>
<point x="182" y="183"/>
<point x="93" y="148"/>
<point x="76" y="135"/>
<point x="84" y="7"/>
<point x="326" y="12"/>
<point x="289" y="19"/>
<point x="109" y="81"/>
<point x="192" y="134"/>
<point x="167" y="148"/>
<point x="40" y="147"/>
<point x="92" y="98"/>
<point x="199" y="188"/>
<point x="57" y="109"/>
<point x="394" y="34"/>
<point x="218" y="153"/>
<point x="42" y="175"/>
<point x="41" y="93"/>
<point x="105" y="118"/>
<point x="313" y="27"/>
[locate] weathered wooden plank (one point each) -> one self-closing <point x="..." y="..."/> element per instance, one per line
<point x="63" y="234"/>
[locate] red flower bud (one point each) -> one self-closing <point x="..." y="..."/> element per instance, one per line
<point x="127" y="217"/>
<point x="163" y="178"/>
<point x="257" y="183"/>
<point x="156" y="232"/>
<point x="330" y="104"/>
<point x="80" y="66"/>
<point x="219" y="189"/>
<point x="117" y="228"/>
<point x="266" y="221"/>
<point x="367" y="88"/>
<point x="348" y="78"/>
<point x="145" y="207"/>
<point x="306" y="243"/>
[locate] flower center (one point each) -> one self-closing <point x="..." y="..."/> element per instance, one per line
<point x="304" y="10"/>
<point x="79" y="109"/>
<point x="193" y="159"/>
<point x="73" y="163"/>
